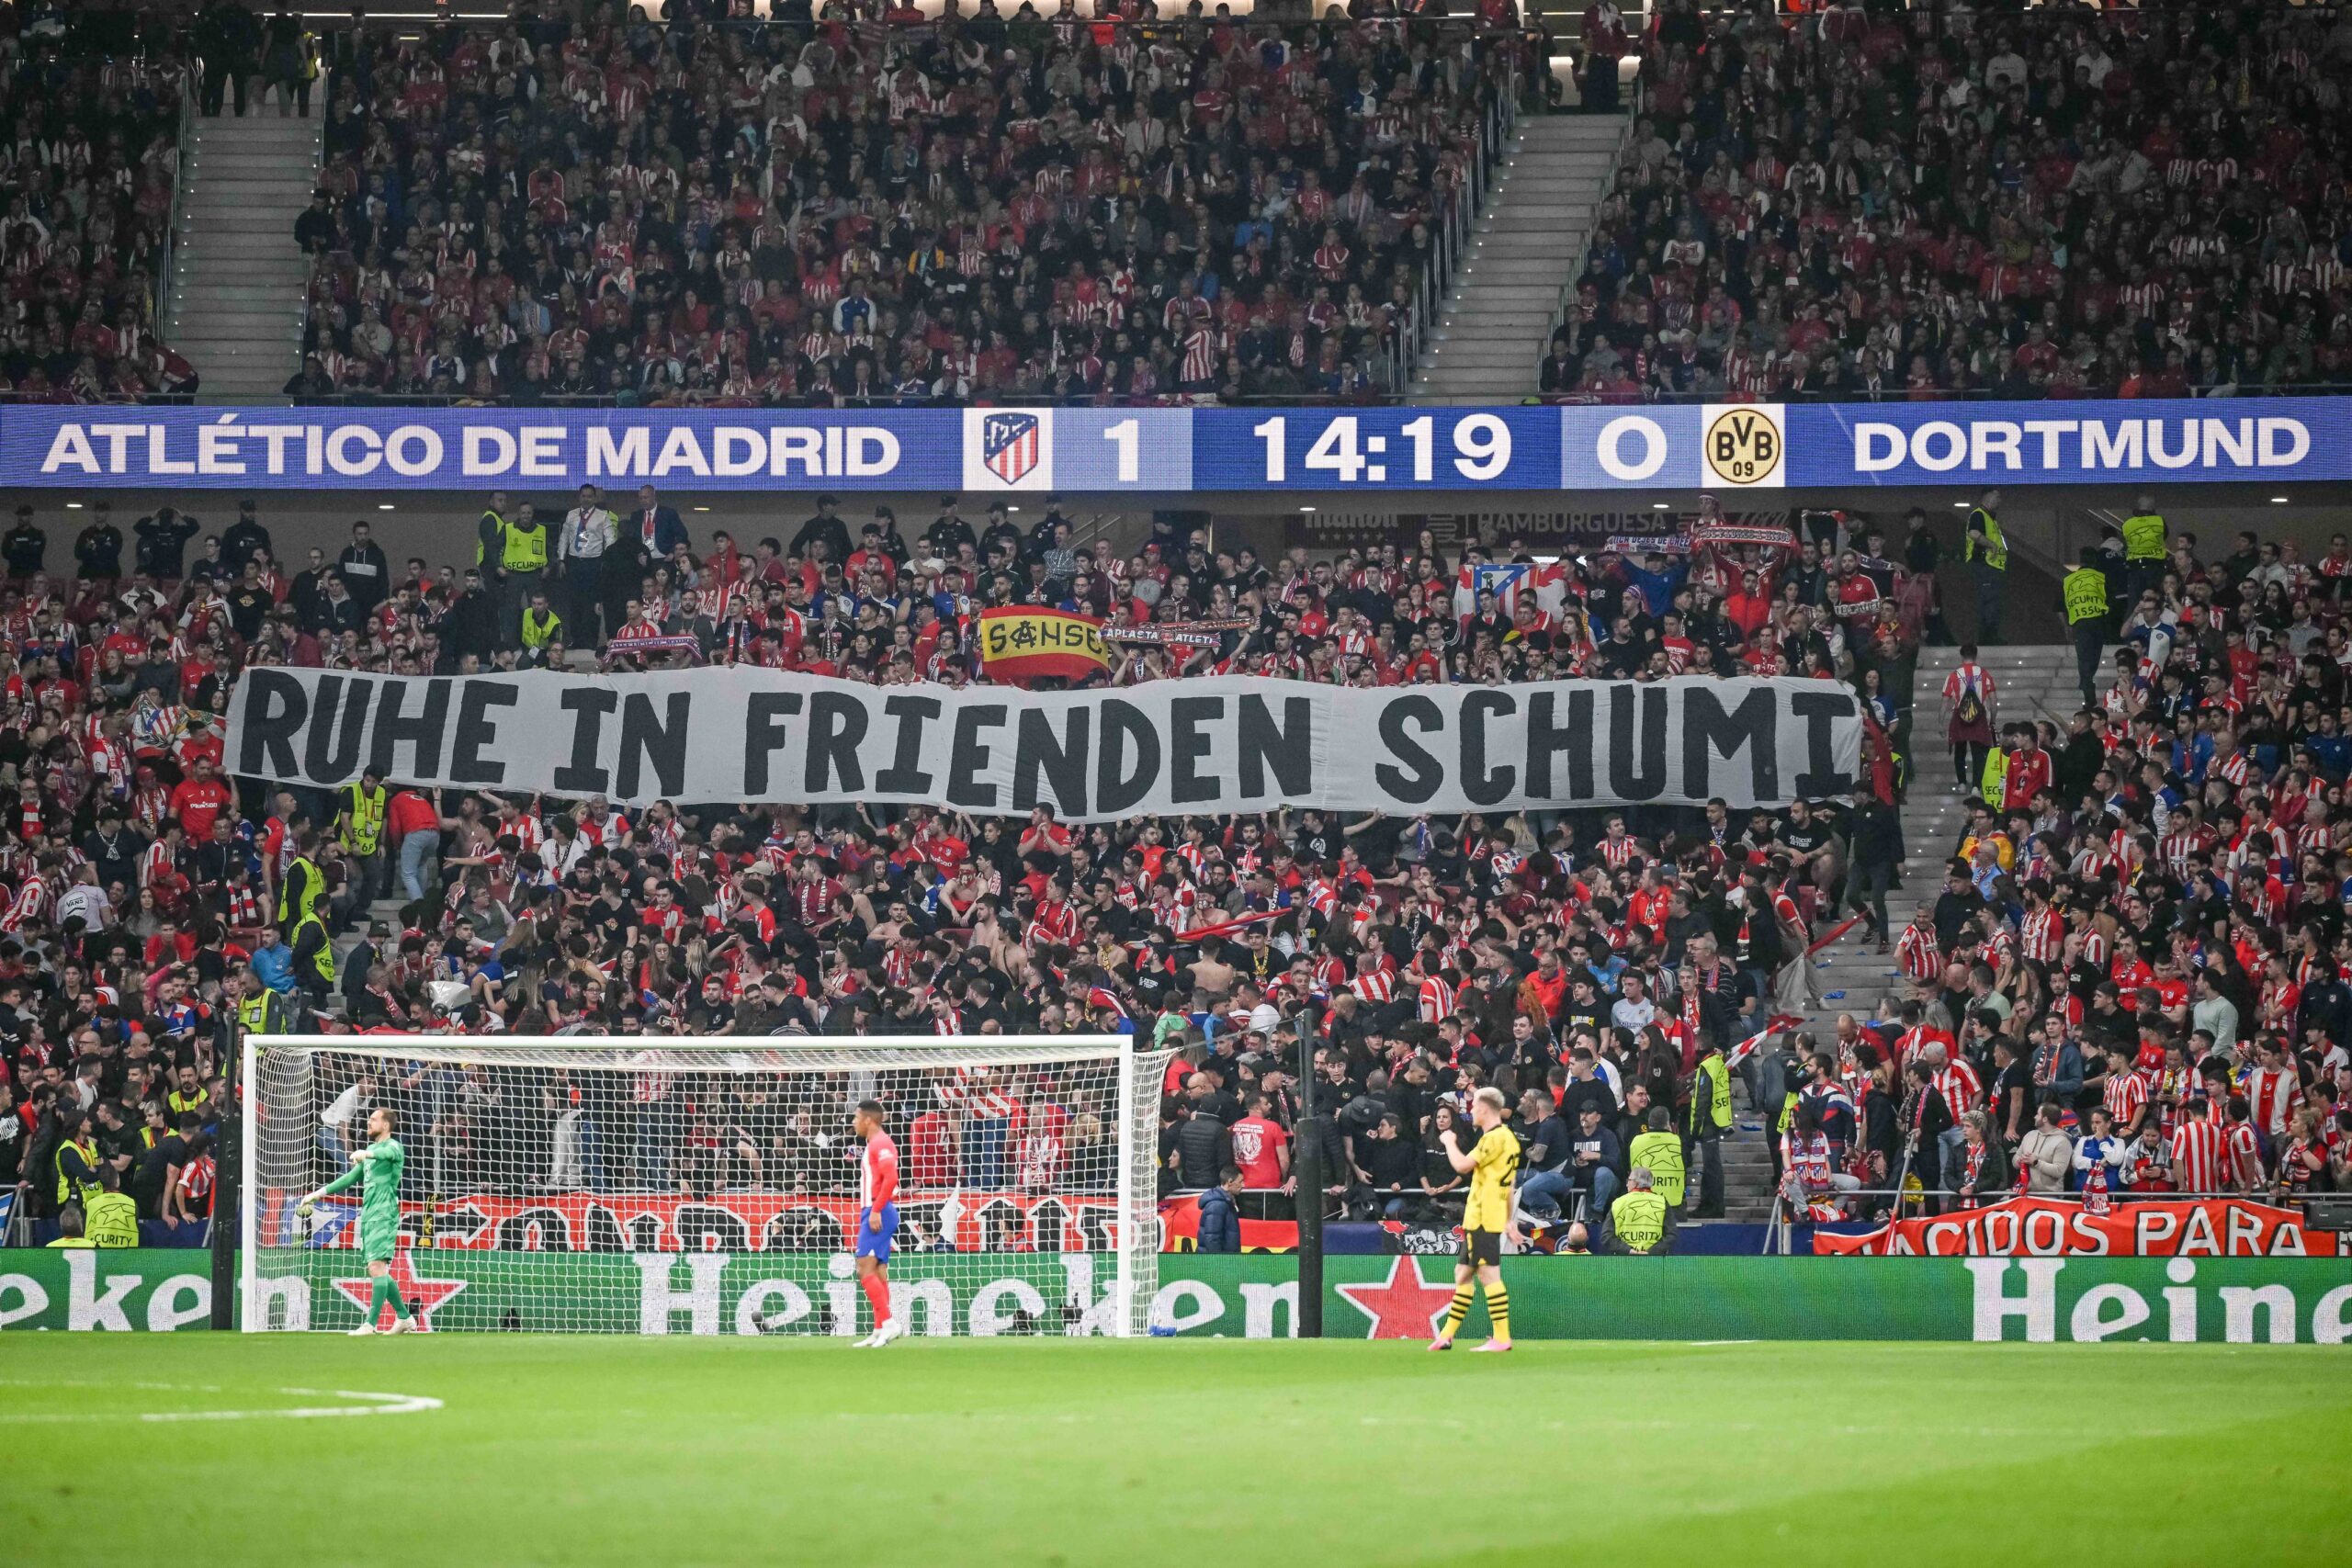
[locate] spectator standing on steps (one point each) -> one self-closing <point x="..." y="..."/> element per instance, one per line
<point x="1969" y="695"/>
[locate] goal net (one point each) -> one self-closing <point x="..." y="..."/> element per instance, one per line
<point x="645" y="1185"/>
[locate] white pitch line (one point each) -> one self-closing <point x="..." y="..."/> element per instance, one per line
<point x="384" y="1405"/>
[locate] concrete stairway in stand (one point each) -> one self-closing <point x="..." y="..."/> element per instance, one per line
<point x="237" y="305"/>
<point x="2029" y="683"/>
<point x="1494" y="325"/>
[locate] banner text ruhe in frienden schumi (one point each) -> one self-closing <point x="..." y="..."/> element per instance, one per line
<point x="1223" y="744"/>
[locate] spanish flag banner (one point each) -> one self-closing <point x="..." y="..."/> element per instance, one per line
<point x="1022" y="645"/>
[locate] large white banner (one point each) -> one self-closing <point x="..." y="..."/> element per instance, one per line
<point x="1229" y="744"/>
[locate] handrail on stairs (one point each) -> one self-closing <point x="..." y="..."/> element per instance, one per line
<point x="1451" y="241"/>
<point x="167" y="279"/>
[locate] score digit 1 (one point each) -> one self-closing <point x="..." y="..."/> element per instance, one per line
<point x="1271" y="433"/>
<point x="1126" y="436"/>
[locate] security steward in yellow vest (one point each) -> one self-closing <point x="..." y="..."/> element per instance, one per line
<point x="76" y="1162"/>
<point x="527" y="546"/>
<point x="359" y="826"/>
<point x="489" y="535"/>
<point x="1639" y="1223"/>
<point x="2083" y="595"/>
<point x="109" y="1216"/>
<point x="2145" y="549"/>
<point x="1988" y="554"/>
<point x="68" y="1228"/>
<point x="313" y="957"/>
<point x="541" y="625"/>
<point x="261" y="1010"/>
<point x="1660" y="1150"/>
<point x="1993" y="785"/>
<point x="303" y="889"/>
<point x="1710" y="1121"/>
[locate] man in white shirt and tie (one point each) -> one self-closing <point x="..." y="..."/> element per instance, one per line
<point x="589" y="532"/>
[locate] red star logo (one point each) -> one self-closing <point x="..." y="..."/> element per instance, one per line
<point x="1404" y="1305"/>
<point x="424" y="1295"/>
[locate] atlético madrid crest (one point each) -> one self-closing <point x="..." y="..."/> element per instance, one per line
<point x="1009" y="446"/>
<point x="1008" y="449"/>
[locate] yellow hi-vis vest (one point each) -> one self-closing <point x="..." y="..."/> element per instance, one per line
<point x="1995" y="785"/>
<point x="2143" y="536"/>
<point x="1662" y="1153"/>
<point x="263" y="1014"/>
<point x="299" y="893"/>
<point x="68" y="1189"/>
<point x="365" y="829"/>
<point x="2085" y="591"/>
<point x="501" y="523"/>
<point x="110" y="1219"/>
<point x="540" y="630"/>
<point x="1639" y="1221"/>
<point x="324" y="964"/>
<point x="527" y="546"/>
<point x="1997" y="548"/>
<point x="1711" y="1096"/>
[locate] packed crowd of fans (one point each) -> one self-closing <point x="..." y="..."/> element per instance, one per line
<point x="152" y="903"/>
<point x="2134" y="980"/>
<point x="1106" y="204"/>
<point x="93" y="99"/>
<point x="1868" y="201"/>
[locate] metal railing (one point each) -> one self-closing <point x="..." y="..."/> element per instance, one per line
<point x="168" y="268"/>
<point x="1451" y="241"/>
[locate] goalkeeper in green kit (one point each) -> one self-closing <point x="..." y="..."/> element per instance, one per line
<point x="380" y="1216"/>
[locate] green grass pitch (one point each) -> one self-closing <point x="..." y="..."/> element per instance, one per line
<point x="681" y="1451"/>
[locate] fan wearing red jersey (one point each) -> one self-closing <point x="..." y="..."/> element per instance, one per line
<point x="877" y="1221"/>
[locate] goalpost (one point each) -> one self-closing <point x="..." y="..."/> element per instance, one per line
<point x="708" y="1185"/>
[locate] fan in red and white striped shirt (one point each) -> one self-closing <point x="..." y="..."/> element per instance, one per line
<point x="1963" y="1089"/>
<point x="2042" y="939"/>
<point x="2197" y="1147"/>
<point x="1375" y="983"/>
<point x="1915" y="953"/>
<point x="1437" y="998"/>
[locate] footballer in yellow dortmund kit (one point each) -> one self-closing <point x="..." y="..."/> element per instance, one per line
<point x="1492" y="1165"/>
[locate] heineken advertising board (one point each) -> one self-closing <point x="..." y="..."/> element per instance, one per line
<point x="2238" y="1300"/>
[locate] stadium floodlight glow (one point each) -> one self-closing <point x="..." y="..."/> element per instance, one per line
<point x="653" y="1184"/>
<point x="2277" y="500"/>
<point x="383" y="506"/>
